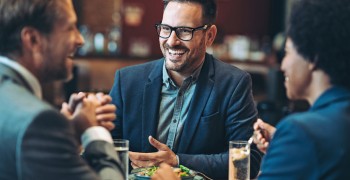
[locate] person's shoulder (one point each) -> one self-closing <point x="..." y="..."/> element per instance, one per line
<point x="317" y="122"/>
<point x="306" y="118"/>
<point x="304" y="122"/>
<point x="19" y="98"/>
<point x="30" y="108"/>
<point x="295" y="119"/>
<point x="21" y="108"/>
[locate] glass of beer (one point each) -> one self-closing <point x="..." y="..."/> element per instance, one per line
<point x="121" y="146"/>
<point x="239" y="160"/>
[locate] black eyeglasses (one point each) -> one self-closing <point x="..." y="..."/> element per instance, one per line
<point x="183" y="33"/>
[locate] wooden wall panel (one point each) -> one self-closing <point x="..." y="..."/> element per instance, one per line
<point x="244" y="17"/>
<point x="97" y="14"/>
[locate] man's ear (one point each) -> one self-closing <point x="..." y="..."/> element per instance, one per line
<point x="31" y="40"/>
<point x="211" y="34"/>
<point x="33" y="43"/>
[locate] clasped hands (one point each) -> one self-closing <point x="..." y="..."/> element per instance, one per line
<point x="87" y="109"/>
<point x="163" y="155"/>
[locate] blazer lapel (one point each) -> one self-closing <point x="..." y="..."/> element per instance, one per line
<point x="8" y="73"/>
<point x="203" y="89"/>
<point x="150" y="106"/>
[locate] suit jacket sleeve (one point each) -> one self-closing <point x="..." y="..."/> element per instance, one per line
<point x="50" y="151"/>
<point x="290" y="154"/>
<point x="117" y="132"/>
<point x="240" y="117"/>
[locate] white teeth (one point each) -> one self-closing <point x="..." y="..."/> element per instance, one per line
<point x="286" y="79"/>
<point x="176" y="52"/>
<point x="71" y="55"/>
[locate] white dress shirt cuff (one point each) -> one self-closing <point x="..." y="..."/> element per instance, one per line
<point x="95" y="133"/>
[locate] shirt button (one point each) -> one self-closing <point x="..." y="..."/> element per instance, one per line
<point x="174" y="121"/>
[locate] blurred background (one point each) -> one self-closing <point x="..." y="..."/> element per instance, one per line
<point x="121" y="33"/>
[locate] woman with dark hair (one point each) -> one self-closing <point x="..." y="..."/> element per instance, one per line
<point x="313" y="144"/>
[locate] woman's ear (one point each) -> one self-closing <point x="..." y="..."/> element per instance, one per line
<point x="313" y="65"/>
<point x="211" y="34"/>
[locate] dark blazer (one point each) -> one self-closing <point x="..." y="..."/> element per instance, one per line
<point x="37" y="142"/>
<point x="314" y="144"/>
<point x="222" y="109"/>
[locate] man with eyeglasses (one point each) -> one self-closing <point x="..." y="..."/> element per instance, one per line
<point x="186" y="107"/>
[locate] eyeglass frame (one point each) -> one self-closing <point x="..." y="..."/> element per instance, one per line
<point x="203" y="27"/>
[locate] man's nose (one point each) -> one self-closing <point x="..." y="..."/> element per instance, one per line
<point x="173" y="39"/>
<point x="79" y="39"/>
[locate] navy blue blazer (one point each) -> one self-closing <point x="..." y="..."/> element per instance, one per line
<point x="314" y="144"/>
<point x="222" y="109"/>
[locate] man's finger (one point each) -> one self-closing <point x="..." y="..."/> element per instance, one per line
<point x="104" y="99"/>
<point x="136" y="156"/>
<point x="74" y="100"/>
<point x="107" y="124"/>
<point x="143" y="163"/>
<point x="158" y="145"/>
<point x="134" y="166"/>
<point x="106" y="117"/>
<point x="65" y="110"/>
<point x="108" y="108"/>
<point x="94" y="100"/>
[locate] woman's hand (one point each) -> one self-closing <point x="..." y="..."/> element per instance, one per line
<point x="263" y="133"/>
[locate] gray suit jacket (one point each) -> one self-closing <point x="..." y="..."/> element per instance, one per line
<point x="221" y="110"/>
<point x="37" y="142"/>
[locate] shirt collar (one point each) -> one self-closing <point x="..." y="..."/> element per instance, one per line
<point x="331" y="95"/>
<point x="26" y="75"/>
<point x="169" y="82"/>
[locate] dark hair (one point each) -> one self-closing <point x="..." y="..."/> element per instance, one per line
<point x="320" y="31"/>
<point x="208" y="6"/>
<point x="17" y="14"/>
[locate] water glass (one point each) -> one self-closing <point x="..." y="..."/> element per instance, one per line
<point x="121" y="146"/>
<point x="239" y="160"/>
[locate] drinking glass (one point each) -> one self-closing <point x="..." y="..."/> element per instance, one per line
<point x="121" y="146"/>
<point x="239" y="160"/>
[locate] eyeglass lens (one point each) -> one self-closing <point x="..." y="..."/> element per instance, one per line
<point x="182" y="33"/>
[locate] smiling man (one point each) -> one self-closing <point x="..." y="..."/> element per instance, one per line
<point x="190" y="103"/>
<point x="37" y="41"/>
